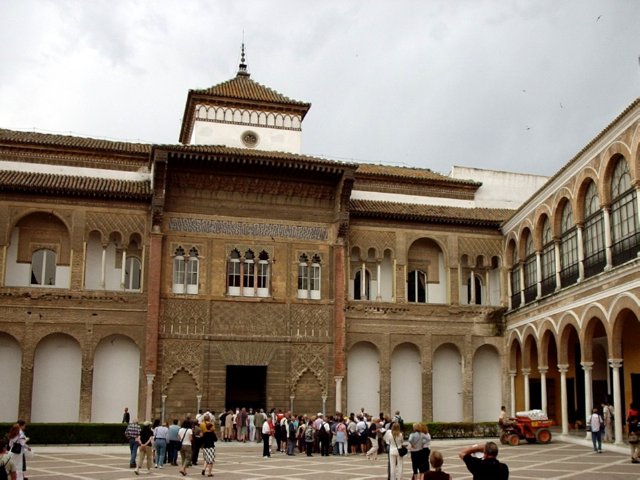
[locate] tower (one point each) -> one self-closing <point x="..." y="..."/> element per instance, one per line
<point x="245" y="114"/>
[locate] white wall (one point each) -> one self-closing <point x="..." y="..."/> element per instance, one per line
<point x="494" y="287"/>
<point x="406" y="382"/>
<point x="487" y="384"/>
<point x="213" y="133"/>
<point x="57" y="370"/>
<point x="11" y="361"/>
<point x="438" y="291"/>
<point x="363" y="378"/>
<point x="447" y="385"/>
<point x="116" y="377"/>
<point x="387" y="273"/>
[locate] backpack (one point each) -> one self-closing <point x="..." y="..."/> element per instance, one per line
<point x="365" y="432"/>
<point x="308" y="434"/>
<point x="323" y="431"/>
<point x="292" y="430"/>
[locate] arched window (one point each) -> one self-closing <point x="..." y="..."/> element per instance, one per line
<point x="530" y="271"/>
<point x="233" y="273"/>
<point x="193" y="268"/>
<point x="548" y="259"/>
<point x="263" y="274"/>
<point x="417" y="287"/>
<point x="314" y="279"/>
<point x="568" y="248"/>
<point x="624" y="215"/>
<point x="248" y="276"/>
<point x="303" y="276"/>
<point x="132" y="273"/>
<point x="595" y="258"/>
<point x="43" y="267"/>
<point x="178" y="270"/>
<point x="516" y="300"/>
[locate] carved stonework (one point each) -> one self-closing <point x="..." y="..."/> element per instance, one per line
<point x="184" y="317"/>
<point x="115" y="222"/>
<point x="474" y="247"/>
<point x="181" y="354"/>
<point x="309" y="357"/>
<point x="311" y="321"/>
<point x="240" y="354"/>
<point x="366" y="239"/>
<point x="246" y="318"/>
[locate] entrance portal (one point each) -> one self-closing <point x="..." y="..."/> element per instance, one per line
<point x="246" y="387"/>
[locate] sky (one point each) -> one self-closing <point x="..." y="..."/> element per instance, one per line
<point x="511" y="85"/>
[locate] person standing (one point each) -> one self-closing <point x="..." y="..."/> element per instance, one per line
<point x="607" y="415"/>
<point x="161" y="435"/>
<point x="126" y="417"/>
<point x="415" y="444"/>
<point x="426" y="447"/>
<point x="16" y="449"/>
<point x="174" y="443"/>
<point x="145" y="440"/>
<point x="209" y="439"/>
<point x="266" y="435"/>
<point x="596" y="424"/>
<point x="184" y="435"/>
<point x="132" y="433"/>
<point x="633" y="424"/>
<point x="393" y="437"/>
<point x="487" y="467"/>
<point x="6" y="461"/>
<point x="252" y="425"/>
<point x="260" y="418"/>
<point x="437" y="473"/>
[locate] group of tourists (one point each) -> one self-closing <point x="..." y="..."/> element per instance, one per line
<point x="159" y="444"/>
<point x="13" y="452"/>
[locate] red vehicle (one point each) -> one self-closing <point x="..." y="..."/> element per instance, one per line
<point x="525" y="427"/>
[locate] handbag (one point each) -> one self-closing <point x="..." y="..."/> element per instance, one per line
<point x="16" y="448"/>
<point x="402" y="450"/>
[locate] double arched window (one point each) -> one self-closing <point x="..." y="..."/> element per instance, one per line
<point x="309" y="277"/>
<point x="248" y="275"/>
<point x="186" y="271"/>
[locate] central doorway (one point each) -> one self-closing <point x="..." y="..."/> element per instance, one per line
<point x="246" y="387"/>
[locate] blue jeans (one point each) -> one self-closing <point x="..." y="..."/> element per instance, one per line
<point x="161" y="451"/>
<point x="596" y="438"/>
<point x="133" y="446"/>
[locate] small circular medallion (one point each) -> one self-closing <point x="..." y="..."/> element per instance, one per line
<point x="250" y="139"/>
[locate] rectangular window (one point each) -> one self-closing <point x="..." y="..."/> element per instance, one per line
<point x="178" y="274"/>
<point x="248" y="286"/>
<point x="233" y="277"/>
<point x="192" y="275"/>
<point x="314" y="282"/>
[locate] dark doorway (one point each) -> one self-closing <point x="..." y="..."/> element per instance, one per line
<point x="635" y="387"/>
<point x="535" y="393"/>
<point x="246" y="387"/>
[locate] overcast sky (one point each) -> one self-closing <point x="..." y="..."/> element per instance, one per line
<point x="510" y="85"/>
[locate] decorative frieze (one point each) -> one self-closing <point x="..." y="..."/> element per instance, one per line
<point x="226" y="227"/>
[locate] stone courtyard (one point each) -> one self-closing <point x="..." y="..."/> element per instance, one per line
<point x="569" y="460"/>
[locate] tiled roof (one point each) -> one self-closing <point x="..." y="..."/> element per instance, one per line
<point x="243" y="88"/>
<point x="47" y="139"/>
<point x="265" y="156"/>
<point x="47" y="183"/>
<point x="432" y="213"/>
<point x="408" y="173"/>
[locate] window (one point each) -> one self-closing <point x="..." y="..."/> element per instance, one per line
<point x="248" y="275"/>
<point x="595" y="258"/>
<point x="548" y="259"/>
<point x="132" y="273"/>
<point x="568" y="248"/>
<point x="309" y="277"/>
<point x="178" y="270"/>
<point x="624" y="215"/>
<point x="358" y="294"/>
<point x="516" y="300"/>
<point x="477" y="284"/>
<point x="185" y="271"/>
<point x="43" y="267"/>
<point x="417" y="287"/>
<point x="193" y="266"/>
<point x="530" y="271"/>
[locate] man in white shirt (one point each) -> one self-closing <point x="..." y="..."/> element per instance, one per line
<point x="596" y="423"/>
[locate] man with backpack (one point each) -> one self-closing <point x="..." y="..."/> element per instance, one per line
<point x="596" y="425"/>
<point x="7" y="467"/>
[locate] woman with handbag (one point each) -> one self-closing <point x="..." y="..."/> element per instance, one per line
<point x="634" y="432"/>
<point x="16" y="447"/>
<point x="393" y="437"/>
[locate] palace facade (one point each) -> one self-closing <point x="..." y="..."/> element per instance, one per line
<point x="232" y="270"/>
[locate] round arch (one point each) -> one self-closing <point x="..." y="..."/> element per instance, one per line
<point x="363" y="377"/>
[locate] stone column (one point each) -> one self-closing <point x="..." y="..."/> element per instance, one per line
<point x="556" y="250"/>
<point x="86" y="392"/>
<point x="509" y="289"/>
<point x="615" y="364"/>
<point x="324" y="403"/>
<point x="563" y="369"/>
<point x="149" y="397"/>
<point x="379" y="282"/>
<point x="124" y="265"/>
<point x="26" y="389"/>
<point x="525" y="373"/>
<point x="588" y="397"/>
<point x="522" y="284"/>
<point x="164" y="405"/>
<point x="512" y="379"/>
<point x="338" y="312"/>
<point x="338" y="381"/>
<point x="291" y="399"/>
<point x="385" y="379"/>
<point x="363" y="282"/>
<point x="472" y="286"/>
<point x="198" y="403"/>
<point x="543" y="387"/>
<point x="103" y="267"/>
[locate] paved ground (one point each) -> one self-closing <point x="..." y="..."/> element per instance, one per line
<point x="558" y="460"/>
